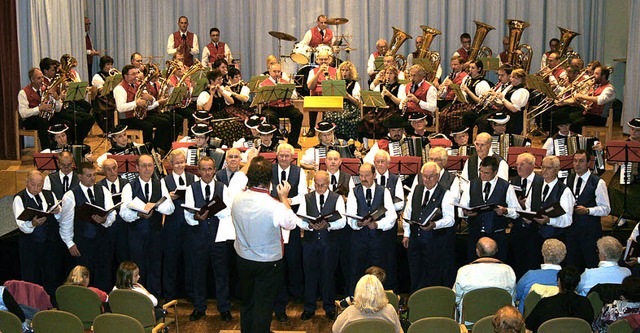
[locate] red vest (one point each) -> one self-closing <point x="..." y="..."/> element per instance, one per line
<point x="316" y="37"/>
<point x="503" y="57"/>
<point x="464" y="55"/>
<point x="595" y="108"/>
<point x="177" y="41"/>
<point x="152" y="89"/>
<point x="278" y="103"/>
<point x="318" y="90"/>
<point x="131" y="96"/>
<point x="457" y="80"/>
<point x="421" y="94"/>
<point x="215" y="54"/>
<point x="32" y="96"/>
<point x="89" y="46"/>
<point x="557" y="73"/>
<point x="174" y="80"/>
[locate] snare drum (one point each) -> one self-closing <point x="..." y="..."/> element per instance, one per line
<point x="301" y="53"/>
<point x="323" y="48"/>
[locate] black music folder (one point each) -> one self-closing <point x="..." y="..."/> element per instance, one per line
<point x="478" y="209"/>
<point x="330" y="217"/>
<point x="435" y="215"/>
<point x="145" y="208"/>
<point x="552" y="211"/>
<point x="213" y="207"/>
<point x="376" y="214"/>
<point x="342" y="189"/>
<point x="29" y="213"/>
<point x="87" y="210"/>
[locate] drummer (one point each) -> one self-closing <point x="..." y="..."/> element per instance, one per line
<point x="323" y="72"/>
<point x="318" y="35"/>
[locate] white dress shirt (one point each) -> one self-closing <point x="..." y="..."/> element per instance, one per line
<point x="18" y="207"/>
<point x="335" y="225"/>
<point x="189" y="200"/>
<point x="566" y="201"/>
<point x="23" y="106"/>
<point x="307" y="36"/>
<point x="203" y="98"/>
<point x="430" y="104"/>
<point x="602" y="207"/>
<point x="447" y="219"/>
<point x="195" y="47"/>
<point x="503" y="168"/>
<point x="120" y="96"/>
<point x="47" y="181"/>
<point x="67" y="215"/>
<point x="97" y="81"/>
<point x="519" y="98"/>
<point x="131" y="215"/>
<point x="385" y="223"/>
<point x="205" y="55"/>
<point x="302" y="184"/>
<point x="398" y="192"/>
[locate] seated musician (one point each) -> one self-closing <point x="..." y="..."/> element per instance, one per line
<point x="239" y="90"/>
<point x="204" y="145"/>
<point x="414" y="55"/>
<point x="483" y="149"/>
<point x="32" y="111"/>
<point x="419" y="95"/>
<point x="282" y="109"/>
<point x="373" y="117"/>
<point x="381" y="50"/>
<point x="460" y="139"/>
<point x="200" y="117"/>
<point x="555" y="73"/>
<point x="79" y="111"/>
<point x="201" y="136"/>
<point x="324" y="71"/>
<point x="617" y="188"/>
<point x="59" y="136"/>
<point x="396" y="125"/>
<point x="562" y="121"/>
<point x="272" y="60"/>
<point x="326" y="136"/>
<point x="164" y="122"/>
<point x="347" y="119"/>
<point x="188" y="107"/>
<point x="445" y="94"/>
<point x="120" y="144"/>
<point x="380" y="78"/>
<point x="267" y="142"/>
<point x="418" y="122"/>
<point x="214" y="100"/>
<point x="223" y="66"/>
<point x="249" y="140"/>
<point x="598" y="100"/>
<point x="491" y="103"/>
<point x="103" y="106"/>
<point x="515" y="100"/>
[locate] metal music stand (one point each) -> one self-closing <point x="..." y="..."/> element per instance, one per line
<point x="126" y="163"/>
<point x="75" y="92"/>
<point x="538" y="153"/>
<point x="405" y="165"/>
<point x="455" y="162"/>
<point x="625" y="152"/>
<point x="349" y="165"/>
<point x="45" y="161"/>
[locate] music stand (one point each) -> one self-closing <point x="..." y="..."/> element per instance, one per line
<point x="45" y="161"/>
<point x="378" y="62"/>
<point x="273" y="158"/>
<point x="178" y="145"/>
<point x="201" y="85"/>
<point x="566" y="162"/>
<point x="334" y="88"/>
<point x="425" y="63"/>
<point x="538" y="153"/>
<point x="76" y="92"/>
<point x="405" y="165"/>
<point x="109" y="83"/>
<point x="126" y="163"/>
<point x="254" y="82"/>
<point x="459" y="95"/>
<point x="455" y="162"/>
<point x="490" y="63"/>
<point x="625" y="152"/>
<point x="175" y="98"/>
<point x="349" y="165"/>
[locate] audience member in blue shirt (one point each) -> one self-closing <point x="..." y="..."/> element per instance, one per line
<point x="608" y="271"/>
<point x="553" y="253"/>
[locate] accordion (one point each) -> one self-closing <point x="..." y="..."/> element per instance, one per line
<point x="569" y="145"/>
<point x="414" y="146"/>
<point x="628" y="173"/>
<point x="500" y="144"/>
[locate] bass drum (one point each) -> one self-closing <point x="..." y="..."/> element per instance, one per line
<point x="301" y="53"/>
<point x="303" y="74"/>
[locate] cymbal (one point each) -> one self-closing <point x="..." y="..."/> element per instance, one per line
<point x="337" y="20"/>
<point x="283" y="36"/>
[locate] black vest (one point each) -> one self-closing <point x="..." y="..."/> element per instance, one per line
<point x="377" y="200"/>
<point x="587" y="198"/>
<point x="312" y="210"/>
<point x="472" y="166"/>
<point x="221" y="176"/>
<point x="169" y="181"/>
<point x="535" y="191"/>
<point x="548" y="231"/>
<point x="49" y="230"/>
<point x="419" y="214"/>
<point x="488" y="221"/>
<point x="56" y="184"/>
<point x="390" y="183"/>
<point x="156" y="193"/>
<point x="293" y="178"/>
<point x="84" y="228"/>
<point x="211" y="223"/>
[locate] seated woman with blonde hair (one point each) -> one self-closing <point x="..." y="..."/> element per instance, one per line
<point x="79" y="276"/>
<point x="370" y="301"/>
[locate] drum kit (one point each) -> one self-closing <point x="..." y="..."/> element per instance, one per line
<point x="302" y="54"/>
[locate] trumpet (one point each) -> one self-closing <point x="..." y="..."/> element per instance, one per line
<point x="114" y="71"/>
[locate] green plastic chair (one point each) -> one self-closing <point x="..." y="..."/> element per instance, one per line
<point x="434" y="325"/>
<point x="55" y="321"/>
<point x="432" y="302"/>
<point x="10" y="323"/>
<point x="117" y="323"/>
<point x="483" y="302"/>
<point x="369" y="325"/>
<point x="565" y="324"/>
<point x="139" y="306"/>
<point x="484" y="325"/>
<point x="619" y="326"/>
<point x="530" y="302"/>
<point x="596" y="303"/>
<point x="393" y="299"/>
<point x="81" y="301"/>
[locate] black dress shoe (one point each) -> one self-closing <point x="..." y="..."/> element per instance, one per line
<point x="331" y="315"/>
<point x="311" y="133"/>
<point x="196" y="315"/>
<point x="226" y="316"/>
<point x="306" y="315"/>
<point x="282" y="317"/>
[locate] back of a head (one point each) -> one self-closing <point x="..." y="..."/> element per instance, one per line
<point x="568" y="277"/>
<point x="78" y="276"/>
<point x="609" y="248"/>
<point x="507" y="320"/>
<point x="553" y="251"/>
<point x="259" y="173"/>
<point x="124" y="275"/>
<point x="378" y="272"/>
<point x="369" y="295"/>
<point x="486" y="247"/>
<point x="631" y="288"/>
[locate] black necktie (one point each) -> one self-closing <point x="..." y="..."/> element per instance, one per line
<point x="383" y="180"/>
<point x="231" y="176"/>
<point x="283" y="176"/>
<point x="321" y="201"/>
<point x="334" y="182"/>
<point x="38" y="201"/>
<point x="545" y="192"/>
<point x="180" y="181"/>
<point x="524" y="187"/>
<point x="184" y="36"/>
<point x="132" y="85"/>
<point x="414" y="87"/>
<point x="91" y="197"/>
<point x="322" y="33"/>
<point x="425" y="201"/>
<point x="113" y="188"/>
<point x="216" y="46"/>
<point x="65" y="183"/>
<point x="207" y="192"/>
<point x="146" y="192"/>
<point x="578" y="187"/>
<point x="368" y="197"/>
<point x="487" y="189"/>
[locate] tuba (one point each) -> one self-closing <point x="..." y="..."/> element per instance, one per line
<point x="172" y="67"/>
<point x="516" y="56"/>
<point x="399" y="37"/>
<point x="482" y="29"/>
<point x="434" y="57"/>
<point x="566" y="36"/>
